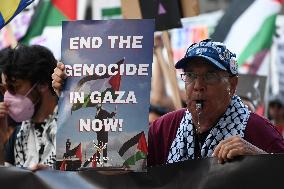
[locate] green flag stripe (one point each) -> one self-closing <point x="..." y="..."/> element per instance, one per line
<point x="46" y="15"/>
<point x="111" y="11"/>
<point x="128" y="144"/>
<point x="136" y="157"/>
<point x="261" y="40"/>
<point x="86" y="101"/>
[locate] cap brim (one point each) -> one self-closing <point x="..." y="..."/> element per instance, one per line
<point x="184" y="61"/>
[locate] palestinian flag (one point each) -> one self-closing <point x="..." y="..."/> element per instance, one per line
<point x="94" y="162"/>
<point x="45" y="27"/>
<point x="91" y="160"/>
<point x="63" y="165"/>
<point x="77" y="151"/>
<point x="104" y="10"/>
<point x="10" y="8"/>
<point x="102" y="84"/>
<point x="140" y="153"/>
<point x="247" y="28"/>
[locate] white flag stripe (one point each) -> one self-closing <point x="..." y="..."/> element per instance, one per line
<point x="95" y="85"/>
<point x="249" y="23"/>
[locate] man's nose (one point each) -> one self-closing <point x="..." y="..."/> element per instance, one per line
<point x="199" y="83"/>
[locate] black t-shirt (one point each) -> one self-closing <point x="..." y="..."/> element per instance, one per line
<point x="9" y="154"/>
<point x="199" y="141"/>
<point x="9" y="147"/>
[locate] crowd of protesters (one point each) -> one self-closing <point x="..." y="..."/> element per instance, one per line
<point x="211" y="123"/>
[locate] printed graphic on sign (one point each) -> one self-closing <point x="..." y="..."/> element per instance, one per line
<point x="104" y="106"/>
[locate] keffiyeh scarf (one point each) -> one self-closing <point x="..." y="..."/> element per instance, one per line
<point x="232" y="123"/>
<point x="34" y="146"/>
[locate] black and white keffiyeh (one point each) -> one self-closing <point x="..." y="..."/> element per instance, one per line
<point x="232" y="123"/>
<point x="36" y="144"/>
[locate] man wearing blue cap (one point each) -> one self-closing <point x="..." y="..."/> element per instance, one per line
<point x="215" y="122"/>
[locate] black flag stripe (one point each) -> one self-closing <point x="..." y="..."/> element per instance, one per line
<point x="235" y="9"/>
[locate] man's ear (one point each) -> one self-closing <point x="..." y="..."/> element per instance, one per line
<point x="233" y="83"/>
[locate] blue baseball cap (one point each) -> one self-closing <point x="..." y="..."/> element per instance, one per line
<point x="215" y="52"/>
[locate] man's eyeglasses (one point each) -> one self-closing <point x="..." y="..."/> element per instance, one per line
<point x="209" y="78"/>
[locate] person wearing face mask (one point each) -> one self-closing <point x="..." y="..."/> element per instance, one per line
<point x="4" y="135"/>
<point x="30" y="100"/>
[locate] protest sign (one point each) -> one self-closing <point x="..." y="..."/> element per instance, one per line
<point x="104" y="106"/>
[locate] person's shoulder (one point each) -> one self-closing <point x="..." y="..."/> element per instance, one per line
<point x="168" y="120"/>
<point x="256" y="119"/>
<point x="259" y="126"/>
<point x="177" y="114"/>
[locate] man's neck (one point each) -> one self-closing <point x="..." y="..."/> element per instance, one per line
<point x="46" y="108"/>
<point x="204" y="124"/>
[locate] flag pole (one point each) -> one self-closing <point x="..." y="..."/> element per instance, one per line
<point x="158" y="93"/>
<point x="172" y="70"/>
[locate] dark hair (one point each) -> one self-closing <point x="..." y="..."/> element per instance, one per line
<point x="33" y="63"/>
<point x="4" y="58"/>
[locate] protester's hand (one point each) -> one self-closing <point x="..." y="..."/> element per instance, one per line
<point x="4" y="136"/>
<point x="235" y="146"/>
<point x="3" y="109"/>
<point x="37" y="167"/>
<point x="3" y="122"/>
<point x="58" y="78"/>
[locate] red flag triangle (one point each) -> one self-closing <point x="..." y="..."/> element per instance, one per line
<point x="78" y="152"/>
<point x="67" y="7"/>
<point x="63" y="165"/>
<point x="115" y="82"/>
<point x="94" y="160"/>
<point x="142" y="144"/>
